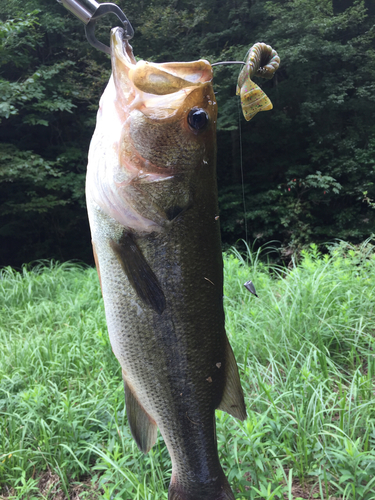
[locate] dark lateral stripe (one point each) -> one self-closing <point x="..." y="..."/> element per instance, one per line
<point x="139" y="273"/>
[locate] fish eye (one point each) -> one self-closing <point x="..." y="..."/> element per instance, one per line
<point x="197" y="119"/>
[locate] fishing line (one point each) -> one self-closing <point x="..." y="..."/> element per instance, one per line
<point x="240" y="137"/>
<point x="241" y="164"/>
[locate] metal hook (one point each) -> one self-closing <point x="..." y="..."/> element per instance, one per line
<point x="228" y="62"/>
<point x="89" y="11"/>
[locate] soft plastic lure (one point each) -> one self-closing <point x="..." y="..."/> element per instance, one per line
<point x="263" y="61"/>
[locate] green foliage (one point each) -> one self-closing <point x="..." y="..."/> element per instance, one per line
<point x="305" y="164"/>
<point x="17" y="36"/>
<point x="321" y="124"/>
<point x="305" y="349"/>
<point x="45" y="128"/>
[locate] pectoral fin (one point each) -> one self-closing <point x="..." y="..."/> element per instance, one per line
<point x="142" y="426"/>
<point x="253" y="99"/>
<point x="232" y="401"/>
<point x="139" y="273"/>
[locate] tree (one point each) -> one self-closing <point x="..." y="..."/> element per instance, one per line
<point x="305" y="164"/>
<point x="308" y="162"/>
<point x="48" y="88"/>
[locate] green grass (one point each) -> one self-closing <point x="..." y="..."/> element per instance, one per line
<point x="305" y="350"/>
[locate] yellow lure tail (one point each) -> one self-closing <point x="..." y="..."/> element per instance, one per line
<point x="253" y="99"/>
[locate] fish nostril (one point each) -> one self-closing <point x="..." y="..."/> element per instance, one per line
<point x="197" y="119"/>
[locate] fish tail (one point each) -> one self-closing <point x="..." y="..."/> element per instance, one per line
<point x="219" y="492"/>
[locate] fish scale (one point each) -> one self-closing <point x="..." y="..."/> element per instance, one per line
<point x="156" y="240"/>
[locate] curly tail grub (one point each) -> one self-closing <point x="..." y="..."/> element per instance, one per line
<point x="263" y="61"/>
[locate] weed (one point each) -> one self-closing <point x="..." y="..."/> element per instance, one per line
<point x="305" y="349"/>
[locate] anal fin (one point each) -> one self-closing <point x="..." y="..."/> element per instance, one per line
<point x="142" y="426"/>
<point x="139" y="273"/>
<point x="232" y="401"/>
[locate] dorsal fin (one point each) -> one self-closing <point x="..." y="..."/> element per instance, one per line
<point x="139" y="273"/>
<point x="232" y="401"/>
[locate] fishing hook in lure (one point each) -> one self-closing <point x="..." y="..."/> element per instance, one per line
<point x="89" y="11"/>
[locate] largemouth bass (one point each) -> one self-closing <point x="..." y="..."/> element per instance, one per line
<point x="153" y="211"/>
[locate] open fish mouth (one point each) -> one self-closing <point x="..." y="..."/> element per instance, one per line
<point x="157" y="78"/>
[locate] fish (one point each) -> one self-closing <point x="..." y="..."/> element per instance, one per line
<point x="153" y="210"/>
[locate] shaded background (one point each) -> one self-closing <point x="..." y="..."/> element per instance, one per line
<point x="308" y="165"/>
